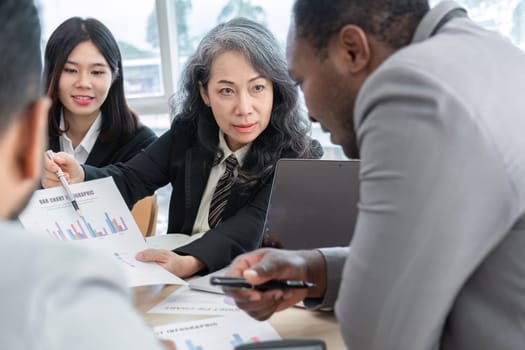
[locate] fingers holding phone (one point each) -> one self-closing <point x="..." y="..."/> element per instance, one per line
<point x="258" y="268"/>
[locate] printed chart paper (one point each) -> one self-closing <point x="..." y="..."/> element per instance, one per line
<point x="171" y="241"/>
<point x="191" y="302"/>
<point x="217" y="333"/>
<point x="106" y="225"/>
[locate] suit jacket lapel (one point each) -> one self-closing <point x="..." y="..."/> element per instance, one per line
<point x="196" y="173"/>
<point x="101" y="151"/>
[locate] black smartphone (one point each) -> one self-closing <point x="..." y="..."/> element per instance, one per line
<point x="285" y="344"/>
<point x="239" y="282"/>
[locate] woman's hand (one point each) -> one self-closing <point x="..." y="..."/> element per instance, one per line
<point x="70" y="167"/>
<point x="180" y="265"/>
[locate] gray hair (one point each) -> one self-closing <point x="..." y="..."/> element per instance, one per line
<point x="253" y="40"/>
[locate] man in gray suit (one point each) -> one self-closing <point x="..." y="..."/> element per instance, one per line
<point x="53" y="296"/>
<point x="431" y="104"/>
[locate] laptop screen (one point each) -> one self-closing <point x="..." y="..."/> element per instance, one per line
<point x="313" y="204"/>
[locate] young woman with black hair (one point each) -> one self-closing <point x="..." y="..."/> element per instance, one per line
<point x="89" y="117"/>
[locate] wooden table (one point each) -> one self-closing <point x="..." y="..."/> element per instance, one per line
<point x="291" y="323"/>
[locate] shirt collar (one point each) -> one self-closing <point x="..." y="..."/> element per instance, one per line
<point x="240" y="154"/>
<point x="88" y="142"/>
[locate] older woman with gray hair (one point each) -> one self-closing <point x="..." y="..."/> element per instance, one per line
<point x="237" y="113"/>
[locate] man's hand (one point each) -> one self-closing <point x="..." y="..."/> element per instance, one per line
<point x="265" y="264"/>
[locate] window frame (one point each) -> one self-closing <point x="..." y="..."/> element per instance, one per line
<point x="165" y="11"/>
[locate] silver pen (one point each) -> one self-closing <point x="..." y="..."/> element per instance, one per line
<point x="65" y="185"/>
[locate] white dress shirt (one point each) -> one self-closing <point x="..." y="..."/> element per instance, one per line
<point x="81" y="152"/>
<point x="201" y="221"/>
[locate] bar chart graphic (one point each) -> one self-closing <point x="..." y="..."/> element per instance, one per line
<point x="192" y="346"/>
<point x="105" y="225"/>
<point x="222" y="332"/>
<point x="238" y="340"/>
<point x="124" y="259"/>
<point x="84" y="229"/>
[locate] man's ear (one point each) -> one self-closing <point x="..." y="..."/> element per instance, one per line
<point x="353" y="43"/>
<point x="204" y="94"/>
<point x="32" y="138"/>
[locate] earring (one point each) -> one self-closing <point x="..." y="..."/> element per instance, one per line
<point x="207" y="104"/>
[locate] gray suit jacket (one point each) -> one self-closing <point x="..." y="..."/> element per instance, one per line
<point x="58" y="296"/>
<point x="438" y="255"/>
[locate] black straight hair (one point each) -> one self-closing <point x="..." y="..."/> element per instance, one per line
<point x="391" y="21"/>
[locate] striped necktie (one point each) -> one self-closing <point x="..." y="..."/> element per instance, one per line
<point x="222" y="192"/>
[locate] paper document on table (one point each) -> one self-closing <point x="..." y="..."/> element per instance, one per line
<point x="171" y="241"/>
<point x="106" y="225"/>
<point x="217" y="333"/>
<point x="187" y="301"/>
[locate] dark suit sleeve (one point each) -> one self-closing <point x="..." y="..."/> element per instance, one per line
<point x="238" y="234"/>
<point x="142" y="139"/>
<point x="111" y="152"/>
<point x="141" y="175"/>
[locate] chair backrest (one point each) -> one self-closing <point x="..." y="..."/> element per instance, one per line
<point x="145" y="214"/>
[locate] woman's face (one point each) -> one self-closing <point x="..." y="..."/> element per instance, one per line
<point x="84" y="82"/>
<point x="241" y="99"/>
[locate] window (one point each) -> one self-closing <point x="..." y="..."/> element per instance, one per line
<point x="196" y="17"/>
<point x="156" y="37"/>
<point x="504" y="16"/>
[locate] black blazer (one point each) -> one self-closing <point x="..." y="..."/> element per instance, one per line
<point x="104" y="153"/>
<point x="177" y="158"/>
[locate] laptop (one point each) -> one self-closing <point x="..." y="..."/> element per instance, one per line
<point x="313" y="204"/>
